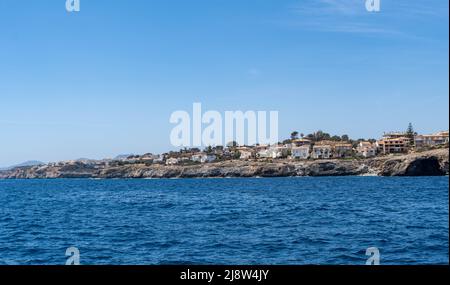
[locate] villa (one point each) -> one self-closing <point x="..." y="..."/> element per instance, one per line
<point x="159" y="158"/>
<point x="300" y="152"/>
<point x="172" y="161"/>
<point x="198" y="157"/>
<point x="394" y="145"/>
<point x="394" y="135"/>
<point x="342" y="149"/>
<point x="301" y="142"/>
<point x="245" y="153"/>
<point x="263" y="153"/>
<point x="184" y="158"/>
<point x="322" y="151"/>
<point x="366" y="149"/>
<point x="431" y="140"/>
<point x="203" y="157"/>
<point x="276" y="151"/>
<point x="210" y="157"/>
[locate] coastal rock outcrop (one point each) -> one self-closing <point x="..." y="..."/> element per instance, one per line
<point x="429" y="163"/>
<point x="336" y="168"/>
<point x="426" y="164"/>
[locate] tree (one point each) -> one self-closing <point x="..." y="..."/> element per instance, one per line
<point x="320" y="136"/>
<point x="345" y="137"/>
<point x="302" y="135"/>
<point x="294" y="135"/>
<point x="410" y="133"/>
<point x="335" y="138"/>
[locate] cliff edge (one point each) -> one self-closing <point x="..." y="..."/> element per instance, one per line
<point x="429" y="163"/>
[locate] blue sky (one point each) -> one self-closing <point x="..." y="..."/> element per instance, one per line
<point x="104" y="81"/>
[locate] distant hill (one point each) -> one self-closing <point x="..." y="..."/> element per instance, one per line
<point x="123" y="156"/>
<point x="24" y="164"/>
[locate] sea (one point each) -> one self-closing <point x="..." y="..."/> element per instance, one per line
<point x="236" y="221"/>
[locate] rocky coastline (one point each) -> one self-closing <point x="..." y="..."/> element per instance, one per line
<point x="429" y="163"/>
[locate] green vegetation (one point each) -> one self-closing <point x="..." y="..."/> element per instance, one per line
<point x="323" y="136"/>
<point x="410" y="133"/>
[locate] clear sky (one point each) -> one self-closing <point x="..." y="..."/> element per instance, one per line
<point x="104" y="81"/>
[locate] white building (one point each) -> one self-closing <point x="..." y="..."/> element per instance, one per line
<point x="264" y="153"/>
<point x="322" y="151"/>
<point x="203" y="157"/>
<point x="172" y="161"/>
<point x="300" y="152"/>
<point x="197" y="157"/>
<point x="245" y="153"/>
<point x="273" y="152"/>
<point x="159" y="158"/>
<point x="301" y="142"/>
<point x="210" y="158"/>
<point x="431" y="140"/>
<point x="366" y="149"/>
<point x="342" y="149"/>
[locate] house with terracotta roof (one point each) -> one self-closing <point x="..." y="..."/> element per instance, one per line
<point x="322" y="151"/>
<point x="275" y="151"/>
<point x="203" y="157"/>
<point x="342" y="149"/>
<point x="394" y="145"/>
<point x="301" y="142"/>
<point x="438" y="138"/>
<point x="366" y="149"/>
<point x="172" y="161"/>
<point x="246" y="153"/>
<point x="300" y="152"/>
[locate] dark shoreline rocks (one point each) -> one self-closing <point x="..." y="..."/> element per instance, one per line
<point x="429" y="163"/>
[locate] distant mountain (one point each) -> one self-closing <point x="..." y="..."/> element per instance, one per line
<point x="24" y="164"/>
<point x="122" y="156"/>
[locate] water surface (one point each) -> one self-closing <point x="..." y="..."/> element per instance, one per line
<point x="330" y="220"/>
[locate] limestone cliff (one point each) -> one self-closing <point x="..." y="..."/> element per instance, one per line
<point x="428" y="163"/>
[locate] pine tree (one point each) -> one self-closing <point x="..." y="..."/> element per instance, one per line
<point x="410" y="133"/>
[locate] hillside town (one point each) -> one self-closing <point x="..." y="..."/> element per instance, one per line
<point x="316" y="146"/>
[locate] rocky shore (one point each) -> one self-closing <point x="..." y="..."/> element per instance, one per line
<point x="429" y="163"/>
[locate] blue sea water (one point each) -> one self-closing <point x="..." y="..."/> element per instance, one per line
<point x="225" y="221"/>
